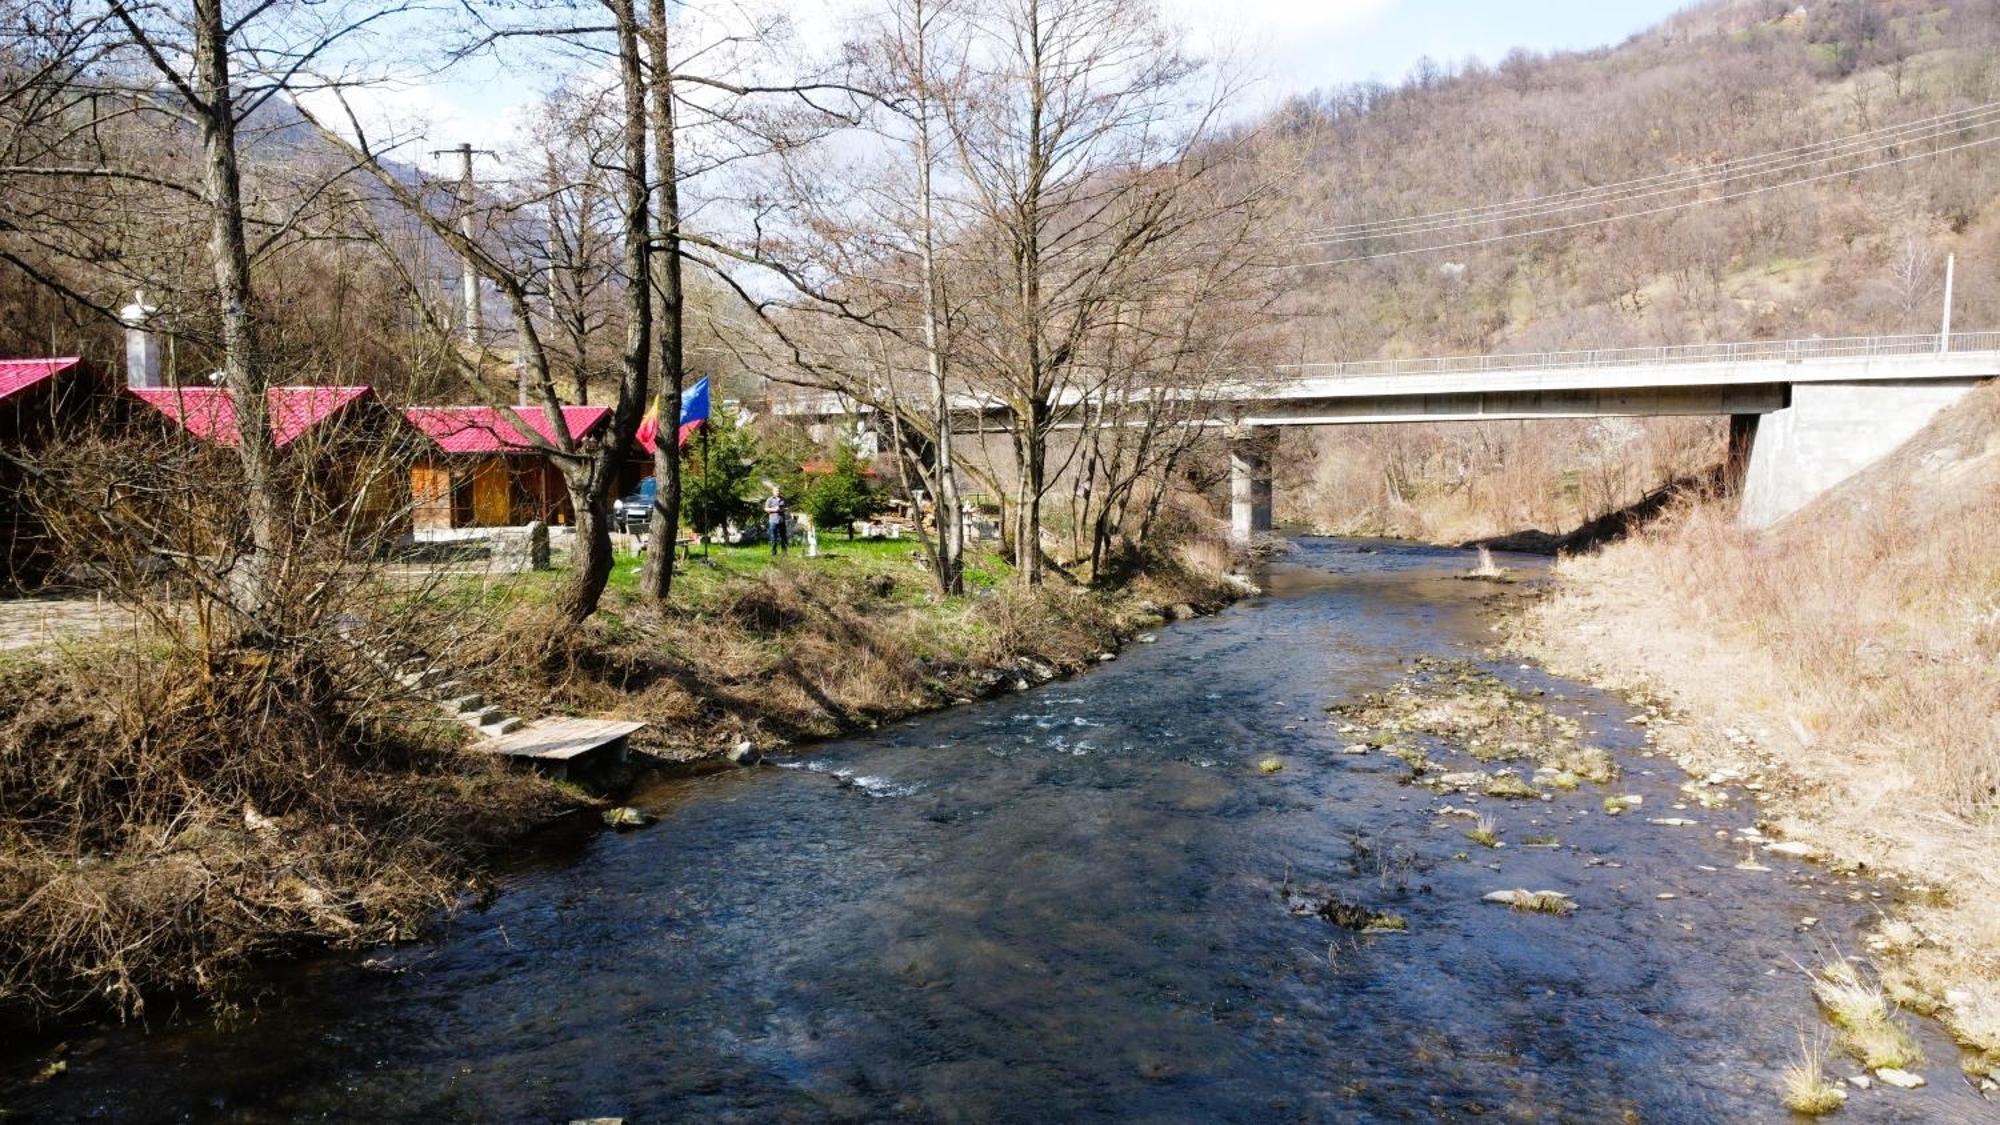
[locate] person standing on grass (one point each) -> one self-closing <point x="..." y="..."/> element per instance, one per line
<point x="774" y="520"/>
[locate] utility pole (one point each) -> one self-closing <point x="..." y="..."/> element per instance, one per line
<point x="1944" y="335"/>
<point x="468" y="277"/>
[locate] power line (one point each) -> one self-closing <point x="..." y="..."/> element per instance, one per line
<point x="1671" y="207"/>
<point x="1776" y="163"/>
<point x="1633" y="197"/>
<point x="1737" y="166"/>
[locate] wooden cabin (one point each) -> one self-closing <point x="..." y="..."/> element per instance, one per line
<point x="42" y="401"/>
<point x="340" y="446"/>
<point x="482" y="470"/>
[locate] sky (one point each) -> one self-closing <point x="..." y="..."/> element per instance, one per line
<point x="1292" y="46"/>
<point x="1304" y="44"/>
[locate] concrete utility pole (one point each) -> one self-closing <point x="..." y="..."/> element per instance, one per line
<point x="1944" y="334"/>
<point x="467" y="277"/>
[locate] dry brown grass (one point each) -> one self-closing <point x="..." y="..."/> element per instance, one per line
<point x="1850" y="659"/>
<point x="1808" y="1091"/>
<point x="164" y="823"/>
<point x="1865" y="1018"/>
<point x="789" y="655"/>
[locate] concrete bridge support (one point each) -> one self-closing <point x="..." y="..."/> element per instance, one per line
<point x="1250" y="449"/>
<point x="1827" y="433"/>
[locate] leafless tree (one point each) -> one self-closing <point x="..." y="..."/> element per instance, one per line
<point x="105" y="73"/>
<point x="1079" y="147"/>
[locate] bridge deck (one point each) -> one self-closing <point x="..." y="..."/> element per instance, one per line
<point x="1743" y="378"/>
<point x="559" y="740"/>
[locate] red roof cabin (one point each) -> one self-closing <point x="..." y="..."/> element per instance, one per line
<point x="483" y="471"/>
<point x="340" y="444"/>
<point x="42" y="401"/>
<point x="209" y="413"/>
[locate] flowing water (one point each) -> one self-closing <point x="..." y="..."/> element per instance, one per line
<point x="1066" y="904"/>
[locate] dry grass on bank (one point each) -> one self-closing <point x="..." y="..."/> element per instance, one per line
<point x="1855" y="651"/>
<point x="163" y="824"/>
<point x="798" y="651"/>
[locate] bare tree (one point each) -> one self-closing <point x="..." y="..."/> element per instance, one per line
<point x="1078" y="146"/>
<point x="111" y="70"/>
<point x="590" y="472"/>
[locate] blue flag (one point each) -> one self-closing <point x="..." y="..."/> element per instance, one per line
<point x="694" y="408"/>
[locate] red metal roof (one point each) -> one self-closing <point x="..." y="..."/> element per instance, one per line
<point x="17" y="375"/>
<point x="210" y="414"/>
<point x="483" y="429"/>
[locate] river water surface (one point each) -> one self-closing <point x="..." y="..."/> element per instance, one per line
<point x="1066" y="904"/>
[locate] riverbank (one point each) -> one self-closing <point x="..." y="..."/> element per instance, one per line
<point x="1847" y="664"/>
<point x="777" y="654"/>
<point x="167" y="821"/>
<point x="1101" y="901"/>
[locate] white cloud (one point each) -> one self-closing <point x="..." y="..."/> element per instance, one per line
<point x="1287" y="43"/>
<point x="418" y="117"/>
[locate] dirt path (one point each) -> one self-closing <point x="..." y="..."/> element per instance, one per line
<point x="28" y="624"/>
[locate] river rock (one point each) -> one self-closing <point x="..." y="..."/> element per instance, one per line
<point x="1900" y="1079"/>
<point x="1146" y="639"/>
<point x="1793" y="849"/>
<point x="745" y="753"/>
<point x="1510" y="787"/>
<point x="626" y="816"/>
<point x="1672" y="822"/>
<point x="1545" y="902"/>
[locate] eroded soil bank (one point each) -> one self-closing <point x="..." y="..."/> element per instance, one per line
<point x="1195" y="883"/>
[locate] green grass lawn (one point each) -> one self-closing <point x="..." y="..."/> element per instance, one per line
<point x="698" y="580"/>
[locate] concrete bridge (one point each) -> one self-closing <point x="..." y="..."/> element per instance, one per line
<point x="1805" y="414"/>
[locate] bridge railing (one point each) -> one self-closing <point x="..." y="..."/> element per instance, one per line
<point x="1754" y="351"/>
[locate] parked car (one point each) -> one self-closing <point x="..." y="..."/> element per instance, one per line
<point x="630" y="513"/>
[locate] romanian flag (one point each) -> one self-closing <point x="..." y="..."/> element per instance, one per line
<point x="694" y="411"/>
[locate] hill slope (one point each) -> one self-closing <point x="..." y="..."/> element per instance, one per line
<point x="1857" y="252"/>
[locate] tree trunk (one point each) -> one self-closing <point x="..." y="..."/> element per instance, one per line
<point x="590" y="561"/>
<point x="663" y="524"/>
<point x="241" y="365"/>
<point x="950" y="513"/>
<point x="1031" y="462"/>
<point x="591" y="566"/>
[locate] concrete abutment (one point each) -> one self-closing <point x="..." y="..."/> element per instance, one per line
<point x="1250" y="450"/>
<point x="1826" y="433"/>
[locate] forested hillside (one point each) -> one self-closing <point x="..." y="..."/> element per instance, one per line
<point x="1739" y="209"/>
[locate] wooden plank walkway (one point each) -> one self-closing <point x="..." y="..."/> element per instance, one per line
<point x="560" y="740"/>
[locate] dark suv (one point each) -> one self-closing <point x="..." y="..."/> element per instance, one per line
<point x="631" y="513"/>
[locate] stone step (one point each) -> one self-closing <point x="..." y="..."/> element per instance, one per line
<point x="505" y="724"/>
<point x="482" y="716"/>
<point x="463" y="703"/>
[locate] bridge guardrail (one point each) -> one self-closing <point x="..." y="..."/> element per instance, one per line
<point x="1755" y="351"/>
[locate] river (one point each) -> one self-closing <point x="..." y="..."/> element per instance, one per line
<point x="1066" y="904"/>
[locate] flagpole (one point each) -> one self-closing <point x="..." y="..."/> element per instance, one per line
<point x="706" y="485"/>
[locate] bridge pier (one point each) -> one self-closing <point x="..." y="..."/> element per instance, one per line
<point x="1250" y="483"/>
<point x="1827" y="433"/>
